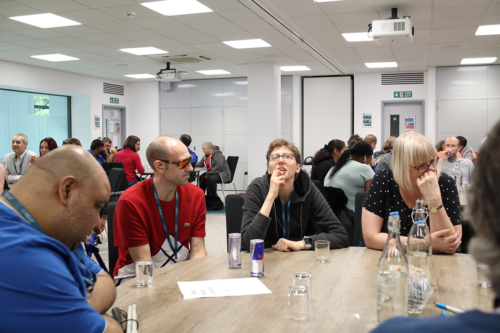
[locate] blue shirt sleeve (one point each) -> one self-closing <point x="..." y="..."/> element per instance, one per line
<point x="88" y="266"/>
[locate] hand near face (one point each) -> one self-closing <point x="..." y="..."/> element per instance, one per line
<point x="447" y="153"/>
<point x="33" y="159"/>
<point x="285" y="245"/>
<point x="277" y="180"/>
<point x="113" y="151"/>
<point x="429" y="187"/>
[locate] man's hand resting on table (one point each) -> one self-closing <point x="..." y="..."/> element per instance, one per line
<point x="286" y="245"/>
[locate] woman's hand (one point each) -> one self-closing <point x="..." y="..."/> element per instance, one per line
<point x="449" y="244"/>
<point x="33" y="159"/>
<point x="429" y="187"/>
<point x="277" y="180"/>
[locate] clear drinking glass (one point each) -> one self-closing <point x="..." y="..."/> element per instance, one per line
<point x="482" y="279"/>
<point x="303" y="279"/>
<point x="321" y="250"/>
<point x="144" y="273"/>
<point x="298" y="302"/>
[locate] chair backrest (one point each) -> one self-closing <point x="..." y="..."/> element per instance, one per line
<point x="321" y="187"/>
<point x="358" y="206"/>
<point x="234" y="213"/>
<point x="117" y="180"/>
<point x="112" y="249"/>
<point x="308" y="160"/>
<point x="232" y="161"/>
<point x="107" y="166"/>
<point x="192" y="175"/>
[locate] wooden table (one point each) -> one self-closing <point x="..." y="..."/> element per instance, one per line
<point x="342" y="290"/>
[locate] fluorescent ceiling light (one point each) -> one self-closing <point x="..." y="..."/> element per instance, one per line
<point x="55" y="57"/>
<point x="213" y="72"/>
<point x="247" y="44"/>
<point x="143" y="50"/>
<point x="45" y="20"/>
<point x="140" y="76"/>
<point x="177" y="7"/>
<point x="488" y="30"/>
<point x="471" y="61"/>
<point x="357" y="37"/>
<point x="294" y="68"/>
<point x="381" y="64"/>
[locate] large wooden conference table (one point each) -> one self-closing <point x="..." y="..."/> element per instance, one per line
<point x="344" y="293"/>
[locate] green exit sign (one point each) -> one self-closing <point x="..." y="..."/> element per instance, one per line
<point x="114" y="100"/>
<point x="402" y="94"/>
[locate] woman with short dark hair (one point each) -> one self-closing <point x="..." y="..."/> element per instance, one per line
<point x="130" y="159"/>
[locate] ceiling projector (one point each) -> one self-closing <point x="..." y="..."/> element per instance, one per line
<point x="168" y="75"/>
<point x="392" y="31"/>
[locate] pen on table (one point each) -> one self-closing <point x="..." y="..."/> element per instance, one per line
<point x="449" y="308"/>
<point x="444" y="314"/>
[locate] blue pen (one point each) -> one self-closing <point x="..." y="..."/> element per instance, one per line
<point x="449" y="308"/>
<point x="444" y="314"/>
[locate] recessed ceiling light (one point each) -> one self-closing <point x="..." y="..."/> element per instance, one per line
<point x="213" y="72"/>
<point x="177" y="7"/>
<point x="381" y="64"/>
<point x="294" y="68"/>
<point x="140" y="76"/>
<point x="45" y="20"/>
<point x="143" y="50"/>
<point x="55" y="57"/>
<point x="488" y="30"/>
<point x="357" y="37"/>
<point x="247" y="44"/>
<point x="470" y="61"/>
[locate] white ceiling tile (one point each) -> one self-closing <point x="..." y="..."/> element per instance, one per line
<point x="254" y="25"/>
<point x="93" y="48"/>
<point x="11" y="8"/>
<point x="36" y="43"/>
<point x="364" y="18"/>
<point x="356" y="68"/>
<point x="217" y="28"/>
<point x="40" y="33"/>
<point x="53" y="6"/>
<point x="180" y="49"/>
<point x="88" y="16"/>
<point x="105" y="3"/>
<point x="228" y="36"/>
<point x="384" y="70"/>
<point x="85" y="55"/>
<point x="202" y="18"/>
<point x="337" y="42"/>
<point x="321" y="30"/>
<point x="11" y="25"/>
<point x="422" y="24"/>
<point x="216" y="5"/>
<point x="10" y="47"/>
<point x="444" y="56"/>
<point x="348" y="59"/>
<point x="454" y="32"/>
<point x="196" y="39"/>
<point x="103" y="38"/>
<point x="177" y="31"/>
<point x="482" y="45"/>
<point x="413" y="65"/>
<point x="341" y="7"/>
<point x="114" y="26"/>
<point x="448" y="47"/>
<point x="494" y="9"/>
<point x="239" y="15"/>
<point x="342" y="51"/>
<point x="410" y="48"/>
<point x="59" y="49"/>
<point x="457" y="22"/>
<point x="161" y="43"/>
<point x="447" y="3"/>
<point x="10" y="36"/>
<point x="125" y="44"/>
<point x="478" y="9"/>
<point x="140" y="11"/>
<point x="155" y="22"/>
<point x="411" y="56"/>
<point x="77" y="30"/>
<point x="8" y="55"/>
<point x="441" y="62"/>
<point x="301" y="9"/>
<point x="483" y="52"/>
<point x="373" y="49"/>
<point x="66" y="41"/>
<point x="138" y="34"/>
<point x="288" y="48"/>
<point x="490" y="20"/>
<point x="347" y="28"/>
<point x="377" y="57"/>
<point x="452" y="39"/>
<point x="28" y="52"/>
<point x="312" y="21"/>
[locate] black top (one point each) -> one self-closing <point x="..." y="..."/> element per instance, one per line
<point x="384" y="197"/>
<point x="319" y="171"/>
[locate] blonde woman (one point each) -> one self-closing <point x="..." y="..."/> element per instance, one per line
<point x="414" y="174"/>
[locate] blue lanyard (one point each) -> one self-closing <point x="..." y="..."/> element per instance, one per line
<point x="174" y="249"/>
<point x="17" y="205"/>
<point x="286" y="222"/>
<point x="20" y="168"/>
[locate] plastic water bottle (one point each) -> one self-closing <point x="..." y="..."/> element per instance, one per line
<point x="419" y="260"/>
<point x="458" y="174"/>
<point x="392" y="297"/>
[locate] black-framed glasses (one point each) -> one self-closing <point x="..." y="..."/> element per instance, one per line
<point x="423" y="168"/>
<point x="181" y="164"/>
<point x="274" y="158"/>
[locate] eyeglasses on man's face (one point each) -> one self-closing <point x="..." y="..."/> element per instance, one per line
<point x="274" y="158"/>
<point x="181" y="164"/>
<point x="424" y="167"/>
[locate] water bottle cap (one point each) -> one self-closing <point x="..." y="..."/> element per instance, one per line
<point x="420" y="222"/>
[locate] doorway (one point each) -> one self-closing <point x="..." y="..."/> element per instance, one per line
<point x="114" y="124"/>
<point x="399" y="117"/>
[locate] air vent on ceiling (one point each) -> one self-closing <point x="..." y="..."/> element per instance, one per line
<point x="113" y="89"/>
<point x="181" y="58"/>
<point x="402" y="78"/>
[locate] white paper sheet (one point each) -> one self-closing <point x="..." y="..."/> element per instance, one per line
<point x="221" y="288"/>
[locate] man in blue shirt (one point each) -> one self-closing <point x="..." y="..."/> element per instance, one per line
<point x="51" y="210"/>
<point x="96" y="149"/>
<point x="186" y="140"/>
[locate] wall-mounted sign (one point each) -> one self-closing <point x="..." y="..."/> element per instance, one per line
<point x="97" y="121"/>
<point x="402" y="94"/>
<point x="117" y="127"/>
<point x="114" y="100"/>
<point x="367" y="120"/>
<point x="409" y="123"/>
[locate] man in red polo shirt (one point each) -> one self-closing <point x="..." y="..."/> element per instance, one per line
<point x="146" y="213"/>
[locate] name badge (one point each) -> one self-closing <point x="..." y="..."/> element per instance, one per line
<point x="186" y="225"/>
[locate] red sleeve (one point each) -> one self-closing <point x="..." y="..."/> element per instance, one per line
<point x="138" y="164"/>
<point x="128" y="226"/>
<point x="199" y="224"/>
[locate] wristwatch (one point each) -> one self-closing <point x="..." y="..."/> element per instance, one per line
<point x="307" y="242"/>
<point x="435" y="209"/>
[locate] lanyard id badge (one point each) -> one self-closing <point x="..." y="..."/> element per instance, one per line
<point x="286" y="221"/>
<point x="20" y="167"/>
<point x="24" y="212"/>
<point x="174" y="248"/>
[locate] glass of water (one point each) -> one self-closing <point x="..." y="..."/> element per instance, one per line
<point x="303" y="279"/>
<point x="321" y="250"/>
<point x="144" y="273"/>
<point x="482" y="273"/>
<point x="298" y="302"/>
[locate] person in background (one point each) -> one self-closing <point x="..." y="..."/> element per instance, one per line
<point x="372" y="140"/>
<point x="130" y="159"/>
<point x="449" y="159"/>
<point x="217" y="168"/>
<point x="18" y="162"/>
<point x="352" y="172"/>
<point x="413" y="175"/>
<point x="46" y="145"/>
<point x="96" y="149"/>
<point x="286" y="190"/>
<point x="439" y="146"/>
<point x="139" y="229"/>
<point x="466" y="151"/>
<point x="72" y="141"/>
<point x="485" y="248"/>
<point x="186" y="139"/>
<point x="353" y="139"/>
<point x="109" y="153"/>
<point x="325" y="159"/>
<point x="440" y="152"/>
<point x="50" y="290"/>
<point x="384" y="162"/>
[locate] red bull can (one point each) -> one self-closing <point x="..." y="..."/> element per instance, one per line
<point x="234" y="250"/>
<point x="256" y="257"/>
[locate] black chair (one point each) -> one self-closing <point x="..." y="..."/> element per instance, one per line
<point x="112" y="249"/>
<point x="107" y="166"/>
<point x="234" y="213"/>
<point x="192" y="175"/>
<point x="232" y="162"/>
<point x="308" y="160"/>
<point x="321" y="187"/>
<point x="358" y="205"/>
<point x="117" y="180"/>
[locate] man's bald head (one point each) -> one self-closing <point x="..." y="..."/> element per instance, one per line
<point x="453" y="140"/>
<point x="163" y="148"/>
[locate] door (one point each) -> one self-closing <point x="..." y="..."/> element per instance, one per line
<point x="402" y="117"/>
<point x="112" y="125"/>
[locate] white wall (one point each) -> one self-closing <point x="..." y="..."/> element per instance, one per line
<point x="368" y="95"/>
<point x="86" y="93"/>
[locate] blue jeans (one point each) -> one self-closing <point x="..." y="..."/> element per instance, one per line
<point x="130" y="183"/>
